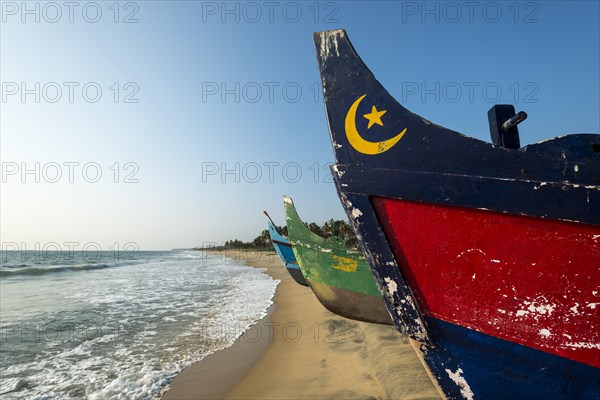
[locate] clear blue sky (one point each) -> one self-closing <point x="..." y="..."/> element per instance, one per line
<point x="444" y="61"/>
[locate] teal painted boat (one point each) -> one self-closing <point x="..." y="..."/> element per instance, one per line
<point x="286" y="254"/>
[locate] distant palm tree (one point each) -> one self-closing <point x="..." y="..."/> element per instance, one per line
<point x="316" y="229"/>
<point x="331" y="227"/>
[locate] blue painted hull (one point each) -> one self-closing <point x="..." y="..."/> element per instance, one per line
<point x="286" y="254"/>
<point x="499" y="369"/>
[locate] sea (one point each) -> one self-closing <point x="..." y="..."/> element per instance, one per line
<point x="118" y="326"/>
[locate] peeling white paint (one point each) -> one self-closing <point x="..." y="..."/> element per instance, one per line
<point x="583" y="345"/>
<point x="501" y="311"/>
<point x="542" y="309"/>
<point x="536" y="308"/>
<point x="329" y="40"/>
<point x="593" y="305"/>
<point x="391" y="285"/>
<point x="465" y="389"/>
<point x="545" y="332"/>
<point x="346" y="202"/>
<point x="356" y="213"/>
<point x="540" y="185"/>
<point x="574" y="308"/>
<point x="495" y="261"/>
<point x="473" y="277"/>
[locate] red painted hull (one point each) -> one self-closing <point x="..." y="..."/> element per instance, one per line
<point x="531" y="281"/>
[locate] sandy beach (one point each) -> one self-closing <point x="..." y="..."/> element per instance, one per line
<point x="301" y="351"/>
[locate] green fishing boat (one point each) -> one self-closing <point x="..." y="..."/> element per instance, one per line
<point x="339" y="276"/>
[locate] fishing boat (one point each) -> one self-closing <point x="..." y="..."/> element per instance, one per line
<point x="286" y="254"/>
<point x="488" y="255"/>
<point x="339" y="276"/>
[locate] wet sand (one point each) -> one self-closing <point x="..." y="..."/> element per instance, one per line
<point x="303" y="351"/>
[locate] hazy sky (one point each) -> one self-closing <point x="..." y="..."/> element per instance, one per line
<point x="170" y="124"/>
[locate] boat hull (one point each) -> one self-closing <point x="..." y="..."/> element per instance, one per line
<point x="515" y="269"/>
<point x="283" y="248"/>
<point x="339" y="277"/>
<point x="474" y="365"/>
<point x="487" y="257"/>
<point x="352" y="305"/>
<point x="296" y="275"/>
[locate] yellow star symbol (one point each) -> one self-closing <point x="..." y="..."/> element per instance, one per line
<point x="374" y="117"/>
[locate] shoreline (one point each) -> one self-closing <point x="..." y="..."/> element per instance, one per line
<point x="204" y="379"/>
<point x="216" y="374"/>
<point x="301" y="350"/>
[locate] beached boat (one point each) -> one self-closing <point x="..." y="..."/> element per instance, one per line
<point x="339" y="276"/>
<point x="488" y="255"/>
<point x="286" y="254"/>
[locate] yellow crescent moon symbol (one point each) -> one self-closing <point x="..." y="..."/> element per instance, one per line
<point x="361" y="145"/>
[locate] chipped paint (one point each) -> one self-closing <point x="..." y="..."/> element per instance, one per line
<point x="356" y="213"/>
<point x="583" y="345"/>
<point x="574" y="308"/>
<point x="593" y="305"/>
<point x="391" y="285"/>
<point x="329" y="40"/>
<point x="536" y="308"/>
<point x="347" y="203"/>
<point x="545" y="332"/>
<point x="465" y="389"/>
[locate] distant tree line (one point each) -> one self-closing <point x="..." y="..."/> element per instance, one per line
<point x="339" y="228"/>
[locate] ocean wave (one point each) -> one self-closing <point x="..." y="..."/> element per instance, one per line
<point x="15" y="265"/>
<point x="64" y="268"/>
<point x="122" y="337"/>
